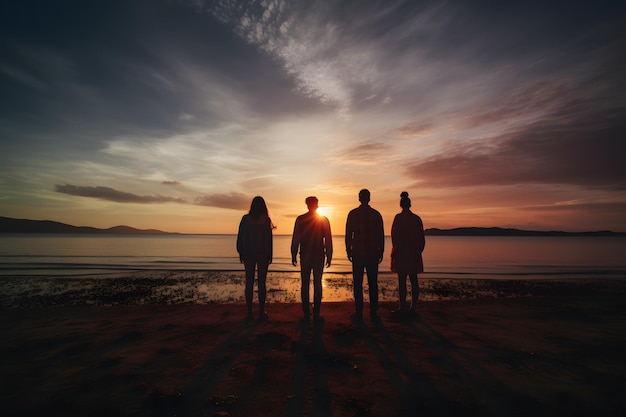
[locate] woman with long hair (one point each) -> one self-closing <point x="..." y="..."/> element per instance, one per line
<point x="407" y="238"/>
<point x="254" y="244"/>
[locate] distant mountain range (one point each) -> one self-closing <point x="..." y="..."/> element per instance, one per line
<point x="8" y="225"/>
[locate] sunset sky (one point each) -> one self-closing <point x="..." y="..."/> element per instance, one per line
<point x="174" y="114"/>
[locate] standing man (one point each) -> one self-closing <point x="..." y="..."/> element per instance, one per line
<point x="311" y="233"/>
<point x="365" y="244"/>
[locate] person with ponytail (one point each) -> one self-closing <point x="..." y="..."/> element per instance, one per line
<point x="408" y="242"/>
<point x="255" y="247"/>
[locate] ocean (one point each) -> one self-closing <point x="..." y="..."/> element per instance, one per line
<point x="445" y="257"/>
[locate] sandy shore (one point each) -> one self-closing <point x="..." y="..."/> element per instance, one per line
<point x="219" y="287"/>
<point x="557" y="350"/>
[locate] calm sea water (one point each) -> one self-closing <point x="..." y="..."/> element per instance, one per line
<point x="480" y="257"/>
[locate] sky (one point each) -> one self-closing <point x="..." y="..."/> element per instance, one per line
<point x="174" y="114"/>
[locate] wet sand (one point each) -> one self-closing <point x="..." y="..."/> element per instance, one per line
<point x="522" y="348"/>
<point x="211" y="287"/>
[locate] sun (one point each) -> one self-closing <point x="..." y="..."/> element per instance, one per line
<point x="324" y="211"/>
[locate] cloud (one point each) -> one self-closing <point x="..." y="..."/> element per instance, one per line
<point x="313" y="47"/>
<point x="413" y="129"/>
<point x="522" y="102"/>
<point x="23" y="77"/>
<point x="567" y="131"/>
<point x="172" y="183"/>
<point x="364" y="154"/>
<point x="612" y="207"/>
<point x="258" y="183"/>
<point x="111" y="194"/>
<point x="235" y="201"/>
<point x="541" y="154"/>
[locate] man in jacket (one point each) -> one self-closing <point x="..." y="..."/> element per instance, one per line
<point x="365" y="244"/>
<point x="311" y="234"/>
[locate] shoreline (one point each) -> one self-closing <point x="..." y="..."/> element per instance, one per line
<point x="227" y="287"/>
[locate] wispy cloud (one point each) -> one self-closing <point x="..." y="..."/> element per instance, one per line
<point x="23" y="77"/>
<point x="313" y="47"/>
<point x="539" y="154"/>
<point x="553" y="133"/>
<point x="523" y="102"/>
<point x="111" y="194"/>
<point x="597" y="207"/>
<point x="235" y="201"/>
<point x="413" y="129"/>
<point x="363" y="154"/>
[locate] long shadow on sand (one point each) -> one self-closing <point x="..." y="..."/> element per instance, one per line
<point x="197" y="393"/>
<point x="408" y="381"/>
<point x="314" y="360"/>
<point x="484" y="393"/>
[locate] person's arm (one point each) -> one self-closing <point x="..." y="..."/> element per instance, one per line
<point x="394" y="232"/>
<point x="421" y="241"/>
<point x="328" y="242"/>
<point x="271" y="243"/>
<point x="381" y="236"/>
<point x="295" y="242"/>
<point x="242" y="235"/>
<point x="348" y="237"/>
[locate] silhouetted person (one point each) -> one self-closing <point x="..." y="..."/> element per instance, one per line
<point x="365" y="244"/>
<point x="255" y="247"/>
<point x="311" y="234"/>
<point x="408" y="242"/>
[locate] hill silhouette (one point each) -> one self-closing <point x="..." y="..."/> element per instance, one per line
<point x="9" y="225"/>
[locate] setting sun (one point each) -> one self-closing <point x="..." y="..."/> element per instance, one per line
<point x="324" y="211"/>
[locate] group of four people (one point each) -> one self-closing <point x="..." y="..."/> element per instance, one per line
<point x="365" y="245"/>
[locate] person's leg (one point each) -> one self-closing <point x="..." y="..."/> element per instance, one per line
<point x="263" y="265"/>
<point x="372" y="282"/>
<point x="357" y="276"/>
<point x="250" y="267"/>
<point x="318" y="269"/>
<point x="402" y="290"/>
<point x="305" y="274"/>
<point x="415" y="291"/>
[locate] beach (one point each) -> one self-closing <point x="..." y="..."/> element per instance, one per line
<point x="144" y="344"/>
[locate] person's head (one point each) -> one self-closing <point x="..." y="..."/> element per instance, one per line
<point x="312" y="203"/>
<point x="364" y="196"/>
<point x="258" y="208"/>
<point x="405" y="201"/>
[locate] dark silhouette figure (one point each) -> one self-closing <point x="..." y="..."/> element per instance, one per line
<point x="255" y="247"/>
<point x="365" y="244"/>
<point x="408" y="242"/>
<point x="311" y="235"/>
